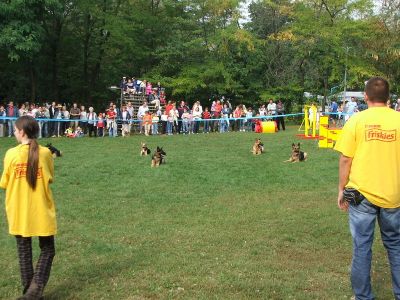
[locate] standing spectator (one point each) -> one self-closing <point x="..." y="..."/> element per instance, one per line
<point x="111" y="122"/>
<point x="59" y="125"/>
<point x="185" y="122"/>
<point x="280" y="110"/>
<point x="141" y="113"/>
<point x="170" y="122"/>
<point x="11" y="112"/>
<point x="147" y="119"/>
<point x="224" y="123"/>
<point x="74" y="114"/>
<point x="66" y="117"/>
<point x="164" y="121"/>
<point x="206" y="118"/>
<point x="237" y="114"/>
<point x="351" y="108"/>
<point x="126" y="120"/>
<point x="369" y="187"/>
<point x="22" y="110"/>
<point x="27" y="175"/>
<point x="83" y="120"/>
<point x="181" y="108"/>
<point x="334" y="110"/>
<point x="91" y="122"/>
<point x="130" y="109"/>
<point x="53" y="110"/>
<point x="249" y="119"/>
<point x="217" y="114"/>
<point x="196" y="119"/>
<point x="2" y="120"/>
<point x="271" y="108"/>
<point x="155" y="120"/>
<point x="100" y="125"/>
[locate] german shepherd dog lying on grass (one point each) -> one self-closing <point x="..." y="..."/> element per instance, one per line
<point x="258" y="147"/>
<point x="297" y="155"/>
<point x="158" y="157"/>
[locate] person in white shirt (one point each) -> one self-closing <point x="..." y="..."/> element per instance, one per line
<point x="141" y="112"/>
<point x="271" y="107"/>
<point x="126" y="118"/>
<point x="92" y="120"/>
<point x="130" y="110"/>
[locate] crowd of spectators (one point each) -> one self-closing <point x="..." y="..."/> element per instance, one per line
<point x="56" y="120"/>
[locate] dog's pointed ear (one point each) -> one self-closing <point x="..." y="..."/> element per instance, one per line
<point x="293" y="145"/>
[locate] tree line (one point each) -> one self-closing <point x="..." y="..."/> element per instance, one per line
<point x="74" y="50"/>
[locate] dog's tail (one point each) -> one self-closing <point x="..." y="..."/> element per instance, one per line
<point x="305" y="155"/>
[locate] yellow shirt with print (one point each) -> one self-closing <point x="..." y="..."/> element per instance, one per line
<point x="29" y="212"/>
<point x="372" y="139"/>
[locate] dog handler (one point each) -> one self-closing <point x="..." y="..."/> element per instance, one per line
<point x="369" y="185"/>
<point x="28" y="171"/>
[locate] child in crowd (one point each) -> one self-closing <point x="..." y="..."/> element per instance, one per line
<point x="206" y="118"/>
<point x="257" y="122"/>
<point x="69" y="132"/>
<point x="147" y="120"/>
<point x="155" y="120"/>
<point x="249" y="119"/>
<point x="185" y="121"/>
<point x="79" y="132"/>
<point x="170" y="122"/>
<point x="164" y="121"/>
<point x="28" y="172"/>
<point x="100" y="125"/>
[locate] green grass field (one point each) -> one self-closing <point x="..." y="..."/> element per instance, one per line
<point x="215" y="222"/>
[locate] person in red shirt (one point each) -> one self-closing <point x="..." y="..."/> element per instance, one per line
<point x="111" y="122"/>
<point x="169" y="106"/>
<point x="217" y="115"/>
<point x="206" y="118"/>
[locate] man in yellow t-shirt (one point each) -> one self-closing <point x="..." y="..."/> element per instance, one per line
<point x="369" y="187"/>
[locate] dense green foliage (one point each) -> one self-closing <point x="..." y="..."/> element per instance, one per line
<point x="215" y="222"/>
<point x="74" y="50"/>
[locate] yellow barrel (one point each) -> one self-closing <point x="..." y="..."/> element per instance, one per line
<point x="269" y="127"/>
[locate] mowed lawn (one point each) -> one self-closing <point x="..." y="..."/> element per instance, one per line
<point x="215" y="222"/>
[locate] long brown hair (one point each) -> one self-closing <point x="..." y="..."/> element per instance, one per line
<point x="31" y="129"/>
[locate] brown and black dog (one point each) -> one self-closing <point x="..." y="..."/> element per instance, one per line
<point x="258" y="147"/>
<point x="158" y="157"/>
<point x="297" y="155"/>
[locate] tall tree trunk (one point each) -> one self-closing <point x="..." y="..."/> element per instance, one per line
<point x="86" y="41"/>
<point x="32" y="78"/>
<point x="54" y="56"/>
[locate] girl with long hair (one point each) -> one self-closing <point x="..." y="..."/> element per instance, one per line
<point x="28" y="172"/>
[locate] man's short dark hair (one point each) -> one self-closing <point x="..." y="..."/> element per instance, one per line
<point x="377" y="89"/>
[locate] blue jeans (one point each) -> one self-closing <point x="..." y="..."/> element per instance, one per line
<point x="169" y="127"/>
<point x="185" y="127"/>
<point x="206" y="126"/>
<point x="362" y="225"/>
<point x="154" y="129"/>
<point x="10" y="127"/>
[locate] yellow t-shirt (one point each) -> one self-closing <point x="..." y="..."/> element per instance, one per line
<point x="29" y="212"/>
<point x="372" y="139"/>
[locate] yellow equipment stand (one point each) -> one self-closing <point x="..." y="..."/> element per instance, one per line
<point x="327" y="136"/>
<point x="269" y="127"/>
